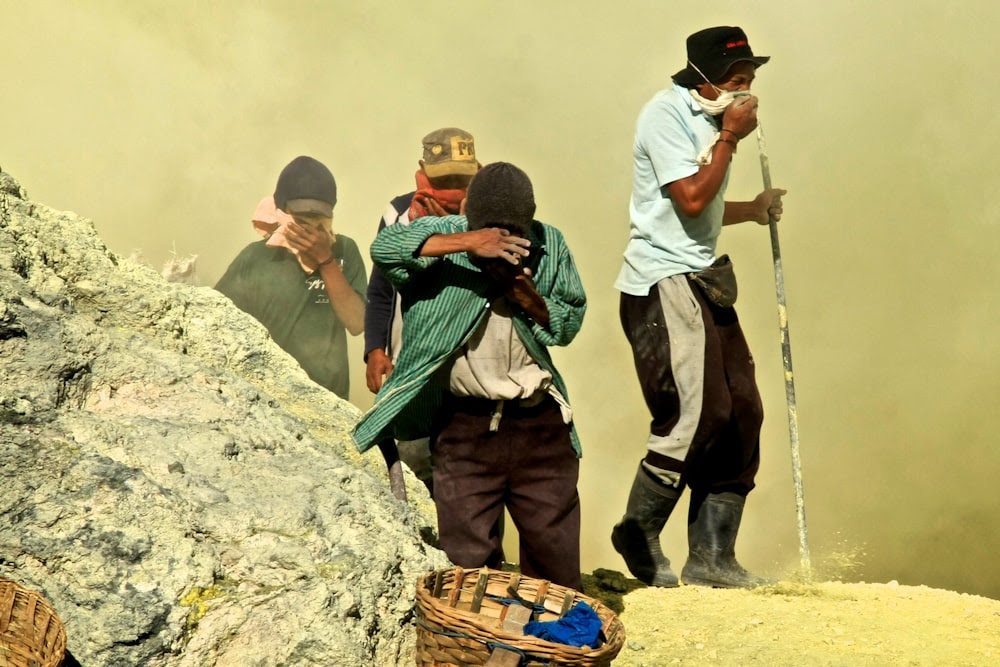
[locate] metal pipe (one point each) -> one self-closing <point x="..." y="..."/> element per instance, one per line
<point x="786" y="357"/>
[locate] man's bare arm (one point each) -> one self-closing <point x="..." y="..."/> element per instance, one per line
<point x="345" y="301"/>
<point x="316" y="244"/>
<point x="764" y="207"/>
<point x="692" y="194"/>
<point x="488" y="242"/>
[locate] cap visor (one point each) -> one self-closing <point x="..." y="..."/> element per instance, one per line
<point x="451" y="168"/>
<point x="309" y="207"/>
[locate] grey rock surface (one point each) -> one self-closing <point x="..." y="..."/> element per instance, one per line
<point x="173" y="482"/>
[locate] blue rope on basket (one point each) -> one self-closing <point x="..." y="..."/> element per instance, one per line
<point x="534" y="607"/>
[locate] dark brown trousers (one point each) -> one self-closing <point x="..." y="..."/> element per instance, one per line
<point x="528" y="466"/>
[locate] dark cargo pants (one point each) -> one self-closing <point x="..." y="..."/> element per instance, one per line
<point x="697" y="377"/>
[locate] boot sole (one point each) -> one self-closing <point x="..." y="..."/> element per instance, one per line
<point x="713" y="583"/>
<point x="709" y="583"/>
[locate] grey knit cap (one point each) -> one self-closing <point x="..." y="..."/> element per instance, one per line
<point x="500" y="195"/>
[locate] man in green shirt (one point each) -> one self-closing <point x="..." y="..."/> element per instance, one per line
<point x="483" y="296"/>
<point x="303" y="282"/>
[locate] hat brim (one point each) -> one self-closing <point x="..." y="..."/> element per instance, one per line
<point x="689" y="77"/>
<point x="451" y="168"/>
<point x="309" y="207"/>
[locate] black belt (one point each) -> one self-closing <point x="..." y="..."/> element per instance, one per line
<point x="473" y="405"/>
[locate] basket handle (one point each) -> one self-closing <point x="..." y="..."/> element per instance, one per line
<point x="456" y="590"/>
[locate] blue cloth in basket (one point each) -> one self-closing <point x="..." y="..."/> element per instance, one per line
<point x="581" y="626"/>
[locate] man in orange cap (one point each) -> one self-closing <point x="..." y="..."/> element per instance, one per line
<point x="448" y="164"/>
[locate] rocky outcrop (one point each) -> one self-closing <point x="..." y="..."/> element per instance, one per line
<point x="172" y="481"/>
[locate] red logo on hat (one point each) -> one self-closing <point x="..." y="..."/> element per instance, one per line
<point x="733" y="45"/>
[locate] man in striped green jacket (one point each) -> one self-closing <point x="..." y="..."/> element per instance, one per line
<point x="483" y="296"/>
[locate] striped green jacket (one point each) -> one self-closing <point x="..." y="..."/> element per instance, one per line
<point x="444" y="300"/>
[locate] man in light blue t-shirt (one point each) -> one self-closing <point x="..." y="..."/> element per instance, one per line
<point x="693" y="363"/>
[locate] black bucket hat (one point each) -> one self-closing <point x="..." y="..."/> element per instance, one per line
<point x="713" y="51"/>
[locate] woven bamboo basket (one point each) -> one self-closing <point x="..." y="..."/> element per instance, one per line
<point x="31" y="634"/>
<point x="461" y="620"/>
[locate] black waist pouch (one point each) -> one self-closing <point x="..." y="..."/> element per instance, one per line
<point x="717" y="282"/>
